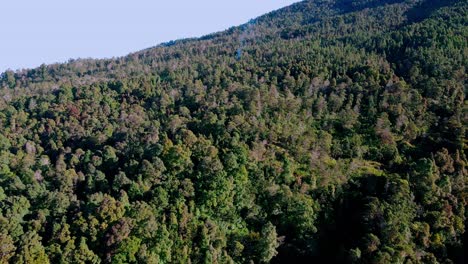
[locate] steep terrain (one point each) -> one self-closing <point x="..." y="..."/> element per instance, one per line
<point x="331" y="131"/>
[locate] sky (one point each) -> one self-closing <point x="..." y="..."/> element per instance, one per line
<point x="48" y="31"/>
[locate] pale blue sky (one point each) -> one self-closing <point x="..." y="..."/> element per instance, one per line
<point x="47" y="31"/>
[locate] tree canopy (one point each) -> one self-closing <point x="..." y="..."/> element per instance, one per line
<point x="328" y="130"/>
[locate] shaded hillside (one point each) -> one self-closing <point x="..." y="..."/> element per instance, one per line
<point x="330" y="131"/>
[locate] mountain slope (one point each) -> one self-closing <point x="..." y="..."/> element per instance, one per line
<point x="330" y="131"/>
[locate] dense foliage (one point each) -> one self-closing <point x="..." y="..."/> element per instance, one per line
<point x="328" y="130"/>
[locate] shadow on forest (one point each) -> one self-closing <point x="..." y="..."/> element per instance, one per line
<point x="425" y="9"/>
<point x="348" y="6"/>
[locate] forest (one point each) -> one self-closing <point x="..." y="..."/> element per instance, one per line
<point x="329" y="131"/>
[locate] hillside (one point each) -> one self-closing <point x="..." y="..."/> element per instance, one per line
<point x="330" y="130"/>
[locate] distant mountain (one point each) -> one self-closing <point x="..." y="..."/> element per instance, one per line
<point x="331" y="131"/>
